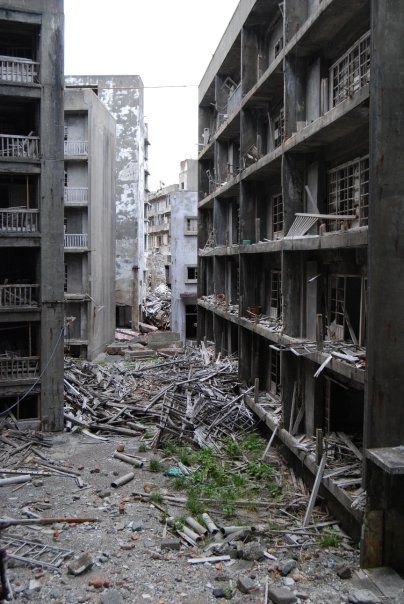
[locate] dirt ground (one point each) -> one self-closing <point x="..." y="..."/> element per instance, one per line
<point x="129" y="564"/>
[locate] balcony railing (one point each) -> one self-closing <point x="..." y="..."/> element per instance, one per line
<point x="14" y="69"/>
<point x="13" y="220"/>
<point x="78" y="148"/>
<point x="75" y="194"/>
<point x="18" y="368"/>
<point x="19" y="147"/>
<point x="18" y="296"/>
<point x="75" y="240"/>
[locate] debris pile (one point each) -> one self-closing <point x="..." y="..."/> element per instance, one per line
<point x="157" y="307"/>
<point x="195" y="398"/>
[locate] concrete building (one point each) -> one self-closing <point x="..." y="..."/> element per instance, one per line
<point x="299" y="176"/>
<point x="172" y="246"/>
<point x="31" y="211"/>
<point x="123" y="97"/>
<point x="89" y="239"/>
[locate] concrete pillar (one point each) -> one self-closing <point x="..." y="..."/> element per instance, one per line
<point x="384" y="409"/>
<point x="295" y="94"/>
<point x="220" y="221"/>
<point x="249" y="54"/>
<point x="296" y="12"/>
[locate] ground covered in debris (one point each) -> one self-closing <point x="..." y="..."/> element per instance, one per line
<point x="202" y="484"/>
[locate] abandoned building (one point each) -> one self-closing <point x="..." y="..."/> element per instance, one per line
<point x="300" y="215"/>
<point x="31" y="211"/>
<point x="89" y="224"/>
<point x="172" y="246"/>
<point x="124" y="98"/>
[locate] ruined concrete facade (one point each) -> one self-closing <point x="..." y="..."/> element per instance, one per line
<point x="298" y="112"/>
<point x="31" y="211"/>
<point x="124" y="99"/>
<point x="89" y="237"/>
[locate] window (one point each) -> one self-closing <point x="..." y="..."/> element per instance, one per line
<point x="278" y="46"/>
<point x="159" y="240"/>
<point x="66" y="179"/>
<point x="351" y="72"/>
<point x="275" y="372"/>
<point x="276" y="295"/>
<point x="65" y="281"/>
<point x="348" y="192"/>
<point x="191" y="274"/>
<point x="65" y="132"/>
<point x="347" y="308"/>
<point x="191" y="225"/>
<point x="279" y="128"/>
<point x="277" y="216"/>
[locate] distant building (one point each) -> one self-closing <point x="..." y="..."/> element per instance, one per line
<point x="172" y="246"/>
<point x="123" y="97"/>
<point x="89" y="239"/>
<point x="31" y="211"/>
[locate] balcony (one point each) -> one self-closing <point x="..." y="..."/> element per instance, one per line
<point x="18" y="368"/>
<point x="75" y="241"/>
<point x="76" y="148"/>
<point x="14" y="220"/>
<point x="75" y="196"/>
<point x="19" y="147"/>
<point x="18" y="296"/>
<point x="20" y="71"/>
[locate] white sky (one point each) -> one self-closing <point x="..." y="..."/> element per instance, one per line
<point x="166" y="42"/>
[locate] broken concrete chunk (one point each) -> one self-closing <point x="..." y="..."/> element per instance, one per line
<point x="172" y="544"/>
<point x="363" y="596"/>
<point x="281" y="595"/>
<point x="286" y="566"/>
<point x="253" y="551"/>
<point x="81" y="565"/>
<point x="246" y="585"/>
<point x="343" y="571"/>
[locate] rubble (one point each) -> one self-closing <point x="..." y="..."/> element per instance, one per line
<point x="157" y="307"/>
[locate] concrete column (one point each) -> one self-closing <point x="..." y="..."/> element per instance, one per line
<point x="296" y="12"/>
<point x="220" y="220"/>
<point x="51" y="220"/>
<point x="249" y="57"/>
<point x="384" y="409"/>
<point x="295" y="94"/>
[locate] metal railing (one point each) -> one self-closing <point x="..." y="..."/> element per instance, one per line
<point x="18" y="368"/>
<point x="14" y="69"/>
<point x="20" y="147"/>
<point x="13" y="220"/>
<point x="76" y="148"/>
<point x="17" y="296"/>
<point x="75" y="194"/>
<point x="75" y="240"/>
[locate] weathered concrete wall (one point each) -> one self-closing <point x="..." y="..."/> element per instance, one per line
<point x="87" y="114"/>
<point x="183" y="254"/>
<point x="123" y="97"/>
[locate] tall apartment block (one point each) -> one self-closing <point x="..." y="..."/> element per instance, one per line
<point x="31" y="211"/>
<point x="171" y="246"/>
<point x="124" y="98"/>
<point x="89" y="238"/>
<point x="301" y="236"/>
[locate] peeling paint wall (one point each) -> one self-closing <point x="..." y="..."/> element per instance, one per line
<point x="123" y="96"/>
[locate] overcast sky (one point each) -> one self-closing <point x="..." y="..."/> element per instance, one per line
<point x="166" y="42"/>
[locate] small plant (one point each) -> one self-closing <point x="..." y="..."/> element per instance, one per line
<point x="147" y="434"/>
<point x="156" y="497"/>
<point x="155" y="465"/>
<point x="228" y="592"/>
<point x="194" y="506"/>
<point x="330" y="540"/>
<point x="142" y="448"/>
<point x="180" y="483"/>
<point x="232" y="448"/>
<point x="177" y="523"/>
<point x="253" y="443"/>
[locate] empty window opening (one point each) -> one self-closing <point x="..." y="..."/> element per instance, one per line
<point x="279" y="128"/>
<point x="347" y="295"/>
<point x="277" y="216"/>
<point x="190" y="321"/>
<point x="26" y="409"/>
<point x="191" y="225"/>
<point x="65" y="280"/>
<point x="191" y="274"/>
<point x="275" y="311"/>
<point x="343" y="409"/>
<point x="348" y="192"/>
<point x="351" y="72"/>
<point x="275" y="372"/>
<point x="278" y="46"/>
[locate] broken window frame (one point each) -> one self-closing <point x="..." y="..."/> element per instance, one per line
<point x="188" y="278"/>
<point x="351" y="71"/>
<point x="188" y="222"/>
<point x="275" y="310"/>
<point x="278" y="47"/>
<point x="279" y="128"/>
<point x="275" y="372"/>
<point x="277" y="216"/>
<point x="348" y="192"/>
<point x="337" y="302"/>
